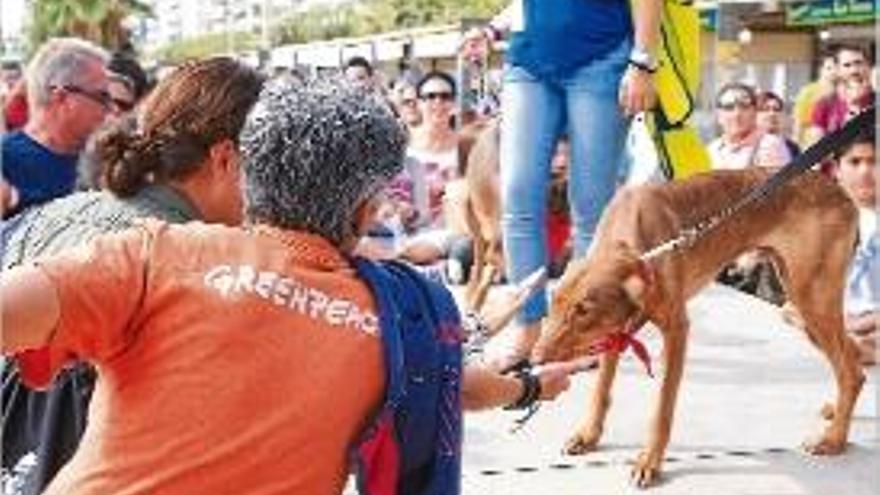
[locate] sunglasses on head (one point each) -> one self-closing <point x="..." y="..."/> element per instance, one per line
<point x="437" y="95"/>
<point x="730" y="101"/>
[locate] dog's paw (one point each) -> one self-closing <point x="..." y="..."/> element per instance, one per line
<point x="646" y="470"/>
<point x="827" y="411"/>
<point x="581" y="444"/>
<point x="824" y="446"/>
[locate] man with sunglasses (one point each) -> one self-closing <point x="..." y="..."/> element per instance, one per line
<point x="68" y="100"/>
<point x="742" y="144"/>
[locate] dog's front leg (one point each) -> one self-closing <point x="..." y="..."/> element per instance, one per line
<point x="647" y="465"/>
<point x="586" y="437"/>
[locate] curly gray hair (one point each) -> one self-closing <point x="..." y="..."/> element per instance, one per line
<point x="313" y="152"/>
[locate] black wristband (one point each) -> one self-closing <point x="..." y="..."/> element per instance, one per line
<point x="642" y="67"/>
<point x="531" y="391"/>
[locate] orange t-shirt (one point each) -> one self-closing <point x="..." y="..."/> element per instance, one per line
<point x="230" y="361"/>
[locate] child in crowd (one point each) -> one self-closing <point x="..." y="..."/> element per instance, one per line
<point x="855" y="170"/>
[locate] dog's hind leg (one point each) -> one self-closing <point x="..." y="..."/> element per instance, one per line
<point x="475" y="276"/>
<point x="586" y="437"/>
<point x="820" y="301"/>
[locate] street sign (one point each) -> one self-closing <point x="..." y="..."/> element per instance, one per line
<point x="709" y="19"/>
<point x="821" y="12"/>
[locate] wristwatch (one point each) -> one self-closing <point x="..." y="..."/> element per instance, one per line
<point x="641" y="59"/>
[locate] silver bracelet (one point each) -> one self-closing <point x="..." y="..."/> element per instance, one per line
<point x="475" y="326"/>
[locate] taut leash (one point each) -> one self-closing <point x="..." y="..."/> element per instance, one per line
<point x="800" y="164"/>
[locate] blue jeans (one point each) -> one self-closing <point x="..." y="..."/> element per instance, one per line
<point x="535" y="112"/>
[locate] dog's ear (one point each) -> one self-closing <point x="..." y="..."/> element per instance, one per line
<point x="634" y="285"/>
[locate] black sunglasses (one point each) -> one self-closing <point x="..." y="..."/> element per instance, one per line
<point x="735" y="99"/>
<point x="121" y="105"/>
<point x="101" y="97"/>
<point x="437" y="95"/>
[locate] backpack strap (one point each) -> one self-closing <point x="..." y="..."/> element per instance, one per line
<point x="414" y="445"/>
<point x="384" y="289"/>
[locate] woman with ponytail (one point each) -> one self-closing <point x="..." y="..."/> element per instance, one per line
<point x="174" y="159"/>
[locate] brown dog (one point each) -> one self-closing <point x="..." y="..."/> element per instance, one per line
<point x="478" y="148"/>
<point x="809" y="229"/>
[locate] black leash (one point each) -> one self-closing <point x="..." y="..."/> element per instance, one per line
<point x="800" y="164"/>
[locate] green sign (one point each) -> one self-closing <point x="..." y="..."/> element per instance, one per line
<point x="709" y="19"/>
<point x="820" y="12"/>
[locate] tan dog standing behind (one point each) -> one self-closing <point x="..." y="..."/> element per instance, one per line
<point x="478" y="150"/>
<point x="808" y="227"/>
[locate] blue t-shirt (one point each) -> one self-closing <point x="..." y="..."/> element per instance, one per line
<point x="38" y="173"/>
<point x="560" y="36"/>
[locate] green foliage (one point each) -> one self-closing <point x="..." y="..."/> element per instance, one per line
<point x="207" y="45"/>
<point x="378" y="16"/>
<point x="320" y="23"/>
<point x="96" y="20"/>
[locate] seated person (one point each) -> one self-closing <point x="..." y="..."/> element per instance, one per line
<point x="417" y="215"/>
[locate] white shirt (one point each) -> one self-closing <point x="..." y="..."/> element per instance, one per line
<point x="863" y="281"/>
<point x="758" y="149"/>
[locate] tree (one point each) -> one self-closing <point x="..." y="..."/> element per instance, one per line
<point x="206" y="45"/>
<point x="378" y="16"/>
<point x="100" y="21"/>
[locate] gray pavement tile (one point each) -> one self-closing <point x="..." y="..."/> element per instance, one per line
<point x="751" y="394"/>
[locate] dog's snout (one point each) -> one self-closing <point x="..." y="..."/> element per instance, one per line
<point x="550" y="344"/>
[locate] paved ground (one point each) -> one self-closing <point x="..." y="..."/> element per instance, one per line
<point x="751" y="394"/>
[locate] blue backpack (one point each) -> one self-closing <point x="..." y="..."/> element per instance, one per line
<point x="413" y="446"/>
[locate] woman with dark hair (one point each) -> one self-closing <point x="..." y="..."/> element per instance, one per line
<point x="422" y="211"/>
<point x="771" y="119"/>
<point x="180" y="164"/>
<point x="265" y="358"/>
<point x="434" y="144"/>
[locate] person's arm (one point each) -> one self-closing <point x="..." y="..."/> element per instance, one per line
<point x="30" y="308"/>
<point x="646" y="20"/>
<point x="8" y="197"/>
<point x="637" y="92"/>
<point x="477" y="41"/>
<point x="504" y="20"/>
<point x="483" y="388"/>
<point x="77" y="304"/>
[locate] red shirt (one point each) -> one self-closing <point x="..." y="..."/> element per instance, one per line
<point x="831" y="112"/>
<point x="16" y="111"/>
<point x="558" y="233"/>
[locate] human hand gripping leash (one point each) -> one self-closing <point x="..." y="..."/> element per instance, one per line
<point x="541" y="383"/>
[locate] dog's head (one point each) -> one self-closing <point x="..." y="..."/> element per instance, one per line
<point x="596" y="297"/>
